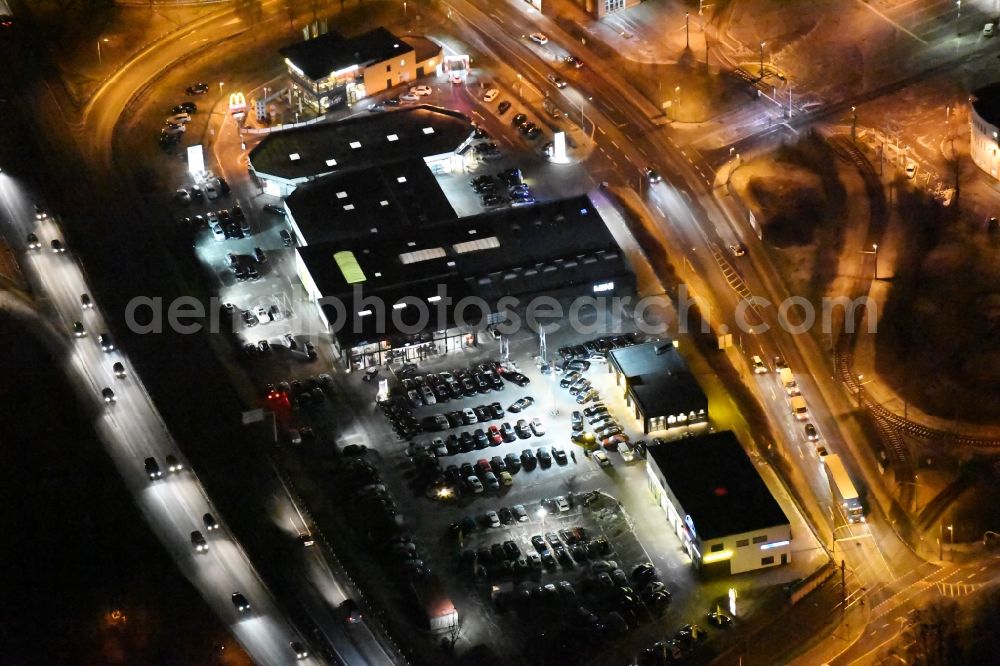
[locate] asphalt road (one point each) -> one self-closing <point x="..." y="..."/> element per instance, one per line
<point x="175" y="506"/>
<point x="132" y="430"/>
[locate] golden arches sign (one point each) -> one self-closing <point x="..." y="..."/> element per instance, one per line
<point x="237" y="101"/>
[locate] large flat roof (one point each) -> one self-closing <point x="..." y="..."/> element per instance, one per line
<point x="658" y="379"/>
<point x="385" y="199"/>
<point x="369" y="139"/>
<point x="986" y="102"/>
<point x="546" y="247"/>
<point x="319" y="57"/>
<point x="716" y="483"/>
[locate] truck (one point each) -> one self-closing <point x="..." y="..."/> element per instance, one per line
<point x="799" y="408"/>
<point x="438" y="608"/>
<point x="788" y="381"/>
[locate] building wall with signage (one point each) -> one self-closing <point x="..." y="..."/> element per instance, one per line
<point x="730" y="554"/>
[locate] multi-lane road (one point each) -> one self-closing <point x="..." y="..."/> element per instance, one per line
<point x="132" y="430"/>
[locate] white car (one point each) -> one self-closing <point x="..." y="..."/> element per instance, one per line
<point x="536" y="427"/>
<point x="211" y="192"/>
<point x="490" y="95"/>
<point x="409" y="97"/>
<point x="174" y="130"/>
<point x="261" y="313"/>
<point x="178" y="118"/>
<point x="183" y="195"/>
<point x="538" y="38"/>
<point x="421" y="90"/>
<point x="601" y="458"/>
<point x="758" y="365"/>
<point x="561" y="504"/>
<point x="988" y="30"/>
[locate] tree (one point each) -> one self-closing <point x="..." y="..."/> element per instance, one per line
<point x="931" y="637"/>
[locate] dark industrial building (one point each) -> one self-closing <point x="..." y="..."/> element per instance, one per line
<point x="288" y="158"/>
<point x="394" y="267"/>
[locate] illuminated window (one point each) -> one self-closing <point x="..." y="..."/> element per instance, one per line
<point x="428" y="130"/>
<point x="355" y="144"/>
<point x="383" y="203"/>
<point x="349" y="267"/>
<point x="476" y="245"/>
<point x="392" y="137"/>
<point x="422" y="255"/>
<point x="402" y="63"/>
<point x="349" y="207"/>
<point x="293" y="156"/>
<point x="331" y="162"/>
<point x="341" y="195"/>
<point x="401" y="179"/>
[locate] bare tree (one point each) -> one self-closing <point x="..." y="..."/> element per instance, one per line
<point x="451" y="637"/>
<point x="931" y="637"/>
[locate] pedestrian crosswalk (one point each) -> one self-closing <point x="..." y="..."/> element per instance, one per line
<point x="957" y="589"/>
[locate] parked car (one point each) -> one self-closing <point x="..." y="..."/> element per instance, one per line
<point x="521" y="404"/>
<point x="538" y="38"/>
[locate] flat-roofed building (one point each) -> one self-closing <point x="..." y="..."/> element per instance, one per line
<point x="717" y="504"/>
<point x="332" y="70"/>
<point x="406" y="267"/>
<point x="285" y="159"/>
<point x="658" y="386"/>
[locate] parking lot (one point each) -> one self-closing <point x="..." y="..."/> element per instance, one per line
<point x="453" y="530"/>
<point x="537" y="465"/>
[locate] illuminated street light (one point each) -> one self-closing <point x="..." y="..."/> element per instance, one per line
<point x="100" y="59"/>
<point x="762" y="60"/>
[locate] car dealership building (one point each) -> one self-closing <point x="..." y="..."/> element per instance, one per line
<point x="717" y="504"/>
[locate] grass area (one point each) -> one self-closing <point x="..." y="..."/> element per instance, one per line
<point x="799" y="200"/>
<point x="939" y="335"/>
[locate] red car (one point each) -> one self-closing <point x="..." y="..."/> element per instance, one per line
<point x="495" y="437"/>
<point x="611" y="443"/>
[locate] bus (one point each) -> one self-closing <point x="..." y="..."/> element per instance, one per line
<point x="843" y="489"/>
<point x="6" y="15"/>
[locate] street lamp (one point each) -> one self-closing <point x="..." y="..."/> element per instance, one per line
<point x="875" y="251"/>
<point x="854" y="123"/>
<point x="762" y="60"/>
<point x="518" y="87"/>
<point x="687" y="30"/>
<point x="677" y="97"/>
<point x="100" y="59"/>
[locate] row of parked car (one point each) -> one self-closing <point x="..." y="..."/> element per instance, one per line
<point x="433" y="388"/>
<point x="596" y="348"/>
<point x="481" y="438"/>
<point x="175" y="124"/>
<point x="508" y="184"/>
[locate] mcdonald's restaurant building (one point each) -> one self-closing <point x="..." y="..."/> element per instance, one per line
<point x="331" y="70"/>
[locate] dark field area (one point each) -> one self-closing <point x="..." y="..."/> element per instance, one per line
<point x="85" y="581"/>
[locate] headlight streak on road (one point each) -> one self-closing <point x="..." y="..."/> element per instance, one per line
<point x="131" y="431"/>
